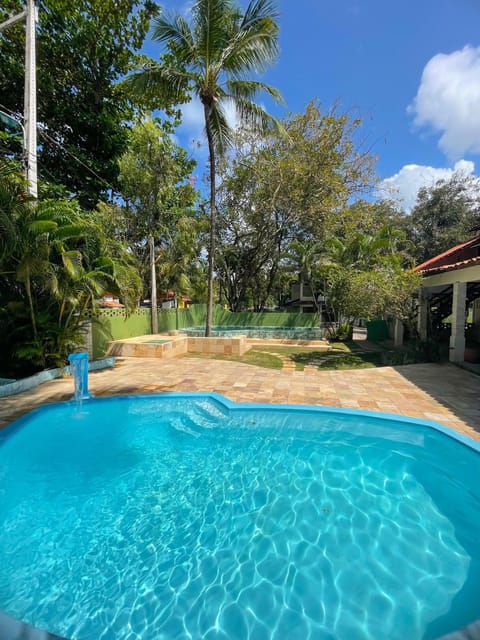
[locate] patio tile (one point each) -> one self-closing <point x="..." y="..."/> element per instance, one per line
<point x="443" y="393"/>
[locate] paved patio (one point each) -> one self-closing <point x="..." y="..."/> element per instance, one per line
<point x="443" y="393"/>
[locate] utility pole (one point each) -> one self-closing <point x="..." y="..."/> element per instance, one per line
<point x="30" y="104"/>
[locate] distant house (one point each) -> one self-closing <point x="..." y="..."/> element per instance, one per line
<point x="301" y="298"/>
<point x="110" y="301"/>
<point x="451" y="287"/>
<point x="168" y="300"/>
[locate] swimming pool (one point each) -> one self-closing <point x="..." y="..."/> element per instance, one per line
<point x="278" y="333"/>
<point x="187" y="516"/>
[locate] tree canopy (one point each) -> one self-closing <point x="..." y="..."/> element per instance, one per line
<point x="444" y="215"/>
<point x="55" y="262"/>
<point x="84" y="49"/>
<point x="159" y="201"/>
<point x="276" y="190"/>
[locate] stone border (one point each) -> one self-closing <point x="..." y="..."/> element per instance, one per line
<point x="175" y="343"/>
<point x="25" y="384"/>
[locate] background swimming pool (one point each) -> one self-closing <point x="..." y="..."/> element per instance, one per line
<point x="290" y="333"/>
<point x="173" y="517"/>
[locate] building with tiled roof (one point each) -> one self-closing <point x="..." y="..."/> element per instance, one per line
<point x="451" y="287"/>
<point x="458" y="257"/>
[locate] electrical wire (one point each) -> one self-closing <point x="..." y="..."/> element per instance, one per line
<point x="49" y="138"/>
<point x="52" y="140"/>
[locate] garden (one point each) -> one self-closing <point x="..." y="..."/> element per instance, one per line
<point x="122" y="210"/>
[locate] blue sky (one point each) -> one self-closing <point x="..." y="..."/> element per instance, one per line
<point x="411" y="70"/>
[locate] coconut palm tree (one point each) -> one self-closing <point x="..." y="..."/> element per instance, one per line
<point x="212" y="57"/>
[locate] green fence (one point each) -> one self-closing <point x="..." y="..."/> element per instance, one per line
<point x="114" y="324"/>
<point x="377" y="330"/>
<point x="224" y="318"/>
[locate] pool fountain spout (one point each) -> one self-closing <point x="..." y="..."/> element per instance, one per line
<point x="79" y="370"/>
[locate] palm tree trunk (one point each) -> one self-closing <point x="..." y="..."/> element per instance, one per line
<point x="153" y="297"/>
<point x="211" y="248"/>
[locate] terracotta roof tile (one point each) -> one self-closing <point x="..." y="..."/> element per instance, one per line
<point x="458" y="256"/>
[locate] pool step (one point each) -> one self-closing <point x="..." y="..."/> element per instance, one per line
<point x="13" y="629"/>
<point x="472" y="632"/>
<point x="170" y="346"/>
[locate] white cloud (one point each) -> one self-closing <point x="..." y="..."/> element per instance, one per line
<point x="404" y="185"/>
<point x="448" y="101"/>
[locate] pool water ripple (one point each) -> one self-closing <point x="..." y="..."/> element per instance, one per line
<point x="159" y="522"/>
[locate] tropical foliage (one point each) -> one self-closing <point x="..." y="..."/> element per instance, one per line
<point x="278" y="194"/>
<point x="55" y="262"/>
<point x="159" y="200"/>
<point x="288" y="201"/>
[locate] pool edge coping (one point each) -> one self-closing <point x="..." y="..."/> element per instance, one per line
<point x="231" y="405"/>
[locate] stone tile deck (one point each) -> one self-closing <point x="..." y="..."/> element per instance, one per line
<point x="443" y="393"/>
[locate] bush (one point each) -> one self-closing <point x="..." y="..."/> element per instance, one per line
<point x="341" y="332"/>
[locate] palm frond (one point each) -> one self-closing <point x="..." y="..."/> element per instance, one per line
<point x="39" y="227"/>
<point x="72" y="262"/>
<point x="212" y="20"/>
<point x="31" y="265"/>
<point x="249" y="89"/>
<point x="161" y="82"/>
<point x="173" y="28"/>
<point x="254" y="45"/>
<point x="221" y="131"/>
<point x="105" y="264"/>
<point x="258" y="10"/>
<point x="70" y="232"/>
<point x="255" y="117"/>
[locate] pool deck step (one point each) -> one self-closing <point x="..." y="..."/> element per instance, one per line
<point x="163" y="345"/>
<point x="150" y="346"/>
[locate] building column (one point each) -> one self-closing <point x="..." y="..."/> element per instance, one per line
<point x="476" y="311"/>
<point x="422" y="317"/>
<point x="457" y="337"/>
<point x="476" y="319"/>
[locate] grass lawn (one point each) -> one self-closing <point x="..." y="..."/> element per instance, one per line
<point x="341" y="355"/>
<point x="258" y="358"/>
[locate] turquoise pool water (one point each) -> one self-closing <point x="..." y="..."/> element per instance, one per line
<point x="281" y="333"/>
<point x="185" y="516"/>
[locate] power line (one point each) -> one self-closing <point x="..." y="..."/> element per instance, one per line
<point x="52" y="140"/>
<point x="85" y="166"/>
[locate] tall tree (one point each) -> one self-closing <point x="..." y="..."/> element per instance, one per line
<point x="212" y="57"/>
<point x="275" y="190"/>
<point x="159" y="199"/>
<point x="84" y="48"/>
<point x="444" y="215"/>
